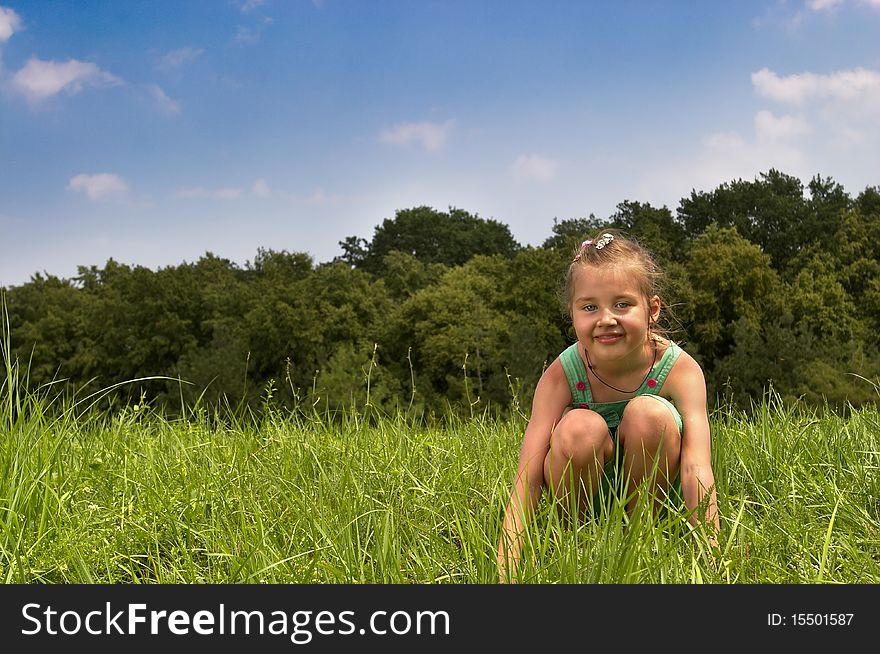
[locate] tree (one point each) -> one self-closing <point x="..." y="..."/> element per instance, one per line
<point x="403" y="274"/>
<point x="729" y="280"/>
<point x="294" y="327"/>
<point x="868" y="202"/>
<point x="820" y="304"/>
<point x="281" y="265"/>
<point x="431" y="237"/>
<point x="654" y="229"/>
<point x="46" y="318"/>
<point x="770" y="212"/>
<point x="569" y="233"/>
<point x="454" y="336"/>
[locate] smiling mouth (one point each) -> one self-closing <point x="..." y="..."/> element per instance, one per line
<point x="608" y="338"/>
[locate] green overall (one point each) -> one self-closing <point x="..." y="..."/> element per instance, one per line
<point x="612" y="412"/>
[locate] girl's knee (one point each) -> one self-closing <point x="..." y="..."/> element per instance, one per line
<point x="581" y="436"/>
<point x="647" y="422"/>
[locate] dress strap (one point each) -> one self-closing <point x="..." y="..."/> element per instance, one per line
<point x="576" y="374"/>
<point x="661" y="370"/>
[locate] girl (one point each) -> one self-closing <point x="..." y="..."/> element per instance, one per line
<point x="620" y="391"/>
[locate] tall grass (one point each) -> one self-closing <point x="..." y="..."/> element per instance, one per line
<point x="136" y="497"/>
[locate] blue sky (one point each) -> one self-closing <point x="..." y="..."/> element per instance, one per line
<point x="153" y="132"/>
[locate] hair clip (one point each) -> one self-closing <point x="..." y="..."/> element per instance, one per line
<point x="604" y="240"/>
<point x="581" y="249"/>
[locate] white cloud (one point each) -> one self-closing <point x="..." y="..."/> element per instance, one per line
<point x="771" y="128"/>
<point x="165" y="104"/>
<point x="101" y="186"/>
<point x="261" y="189"/>
<point x="825" y="5"/>
<point x="199" y="192"/>
<point x="246" y="35"/>
<point x="39" y="80"/>
<point x="250" y="35"/>
<point x="432" y="137"/>
<point x="846" y="85"/>
<point x="179" y="57"/>
<point x="822" y="5"/>
<point x="534" y="167"/>
<point x="793" y="89"/>
<point x="845" y="103"/>
<point x="10" y="23"/>
<point x="724" y="141"/>
<point x="794" y="16"/>
<point x="248" y="6"/>
<point x="320" y="197"/>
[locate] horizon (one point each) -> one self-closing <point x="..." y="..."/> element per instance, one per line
<point x="155" y="133"/>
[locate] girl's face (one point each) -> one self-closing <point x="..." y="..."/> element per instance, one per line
<point x="610" y="314"/>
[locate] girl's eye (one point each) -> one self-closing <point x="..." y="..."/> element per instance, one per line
<point x="623" y="305"/>
<point x="590" y="307"/>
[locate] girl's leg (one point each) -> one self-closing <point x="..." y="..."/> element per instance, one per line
<point x="579" y="447"/>
<point x="649" y="436"/>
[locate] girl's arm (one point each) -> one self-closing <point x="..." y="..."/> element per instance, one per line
<point x="697" y="478"/>
<point x="551" y="397"/>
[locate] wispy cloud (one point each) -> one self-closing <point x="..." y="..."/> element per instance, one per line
<point x="535" y="168"/>
<point x="261" y="189"/>
<point x="431" y="137"/>
<point x="202" y="193"/>
<point x="101" y="186"/>
<point x="320" y="197"/>
<point x="10" y="23"/>
<point x="179" y="57"/>
<point x="246" y="35"/>
<point x="823" y="5"/>
<point x="793" y="16"/>
<point x="830" y="5"/>
<point x="165" y="104"/>
<point x="769" y="127"/>
<point x="247" y="6"/>
<point x="250" y="35"/>
<point x="39" y="80"/>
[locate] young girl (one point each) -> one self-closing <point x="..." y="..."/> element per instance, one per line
<point x="620" y="391"/>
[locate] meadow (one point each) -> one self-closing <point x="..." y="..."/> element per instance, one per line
<point x="310" y="496"/>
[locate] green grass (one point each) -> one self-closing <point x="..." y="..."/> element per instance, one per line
<point x="86" y="497"/>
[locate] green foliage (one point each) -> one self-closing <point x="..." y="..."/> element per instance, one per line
<point x="770" y="212"/>
<point x="767" y="283"/>
<point x="353" y="379"/>
<point x="730" y="280"/>
<point x="819" y="302"/>
<point x="430" y="236"/>
<point x="46" y="314"/>
<point x="457" y="332"/>
<point x="404" y="274"/>
<point x="655" y="229"/>
<point x="568" y="234"/>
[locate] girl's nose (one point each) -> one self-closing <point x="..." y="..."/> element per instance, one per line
<point x="606" y="317"/>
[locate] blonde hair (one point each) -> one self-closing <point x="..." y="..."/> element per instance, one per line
<point x="610" y="248"/>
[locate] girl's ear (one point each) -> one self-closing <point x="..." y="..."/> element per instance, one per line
<point x="654" y="309"/>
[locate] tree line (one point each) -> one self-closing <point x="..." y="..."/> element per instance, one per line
<point x="769" y="283"/>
